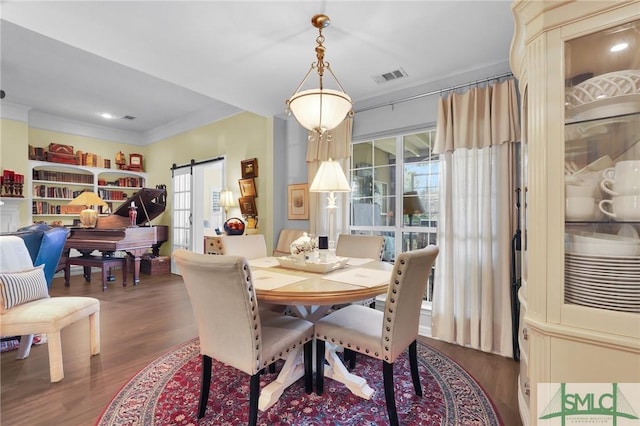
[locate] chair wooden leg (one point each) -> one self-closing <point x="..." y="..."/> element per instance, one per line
<point x="350" y="356"/>
<point x="387" y="374"/>
<point x="319" y="366"/>
<point x="205" y="384"/>
<point x="413" y="362"/>
<point x="254" y="394"/>
<point x="308" y="366"/>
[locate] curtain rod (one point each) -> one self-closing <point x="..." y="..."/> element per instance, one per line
<point x="196" y="163"/>
<point x="435" y="92"/>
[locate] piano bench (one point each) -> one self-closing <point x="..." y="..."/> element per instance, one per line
<point x="103" y="262"/>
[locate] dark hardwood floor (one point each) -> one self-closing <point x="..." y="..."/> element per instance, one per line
<point x="140" y="323"/>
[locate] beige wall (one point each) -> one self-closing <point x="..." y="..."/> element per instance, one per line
<point x="14" y="153"/>
<point x="239" y="137"/>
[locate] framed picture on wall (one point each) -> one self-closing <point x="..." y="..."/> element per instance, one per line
<point x="248" y="187"/>
<point x="298" y="201"/>
<point x="249" y="168"/>
<point x="248" y="206"/>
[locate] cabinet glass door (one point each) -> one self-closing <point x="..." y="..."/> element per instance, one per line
<point x="602" y="170"/>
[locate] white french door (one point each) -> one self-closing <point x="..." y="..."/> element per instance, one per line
<point x="195" y="208"/>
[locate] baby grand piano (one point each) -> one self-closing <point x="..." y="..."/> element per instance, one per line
<point x="115" y="233"/>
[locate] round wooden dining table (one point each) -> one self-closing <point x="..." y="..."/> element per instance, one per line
<point x="310" y="297"/>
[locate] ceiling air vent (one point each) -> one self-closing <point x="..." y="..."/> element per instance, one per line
<point x="390" y="76"/>
<point x="129" y="117"/>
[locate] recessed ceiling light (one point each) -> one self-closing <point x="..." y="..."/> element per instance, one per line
<point x="618" y="47"/>
<point x="107" y="115"/>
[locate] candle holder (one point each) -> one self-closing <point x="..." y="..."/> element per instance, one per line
<point x="133" y="215"/>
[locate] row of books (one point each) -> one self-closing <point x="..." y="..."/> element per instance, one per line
<point x="44" y="191"/>
<point x="107" y="194"/>
<point x="129" y="182"/>
<point x="43" y="207"/>
<point x="55" y="176"/>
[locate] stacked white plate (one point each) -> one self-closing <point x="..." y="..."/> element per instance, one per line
<point x="603" y="281"/>
<point x="597" y="243"/>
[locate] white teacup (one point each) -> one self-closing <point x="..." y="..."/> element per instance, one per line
<point x="581" y="189"/>
<point x="622" y="179"/>
<point x="580" y="208"/>
<point x="624" y="207"/>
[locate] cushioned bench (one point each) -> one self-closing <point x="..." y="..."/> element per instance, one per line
<point x="50" y="315"/>
<point x="27" y="309"/>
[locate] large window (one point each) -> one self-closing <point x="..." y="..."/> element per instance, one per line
<point x="394" y="182"/>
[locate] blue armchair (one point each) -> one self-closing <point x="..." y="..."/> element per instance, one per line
<point x="45" y="245"/>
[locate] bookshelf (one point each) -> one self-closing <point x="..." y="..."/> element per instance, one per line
<point x="54" y="185"/>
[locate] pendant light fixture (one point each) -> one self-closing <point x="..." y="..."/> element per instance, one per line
<point x="321" y="109"/>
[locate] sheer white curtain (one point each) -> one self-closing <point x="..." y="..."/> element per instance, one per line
<point x="471" y="298"/>
<point x="338" y="149"/>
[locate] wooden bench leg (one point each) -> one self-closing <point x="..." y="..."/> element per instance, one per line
<point x="56" y="368"/>
<point x="25" y="346"/>
<point x="94" y="333"/>
<point x="105" y="274"/>
<point x="125" y="271"/>
<point x="87" y="273"/>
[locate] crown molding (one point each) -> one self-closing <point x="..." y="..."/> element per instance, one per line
<point x="13" y="111"/>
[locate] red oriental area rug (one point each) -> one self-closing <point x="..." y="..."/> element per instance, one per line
<point x="166" y="393"/>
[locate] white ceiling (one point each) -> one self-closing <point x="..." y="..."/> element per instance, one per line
<point x="163" y="61"/>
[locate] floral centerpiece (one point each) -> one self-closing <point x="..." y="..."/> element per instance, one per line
<point x="303" y="247"/>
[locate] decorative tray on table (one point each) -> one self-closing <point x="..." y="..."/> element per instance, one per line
<point x="312" y="266"/>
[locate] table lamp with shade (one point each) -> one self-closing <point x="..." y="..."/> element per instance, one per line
<point x="88" y="216"/>
<point x="411" y="205"/>
<point x="330" y="178"/>
<point x="226" y="201"/>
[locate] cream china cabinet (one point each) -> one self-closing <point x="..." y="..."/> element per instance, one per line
<point x="580" y="293"/>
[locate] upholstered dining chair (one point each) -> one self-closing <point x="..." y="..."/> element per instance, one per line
<point x="362" y="246"/>
<point x="231" y="327"/>
<point x="285" y="238"/>
<point x="248" y="246"/>
<point x="383" y="335"/>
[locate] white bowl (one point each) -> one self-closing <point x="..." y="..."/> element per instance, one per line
<point x="601" y="238"/>
<point x="603" y="249"/>
<point x="596" y="243"/>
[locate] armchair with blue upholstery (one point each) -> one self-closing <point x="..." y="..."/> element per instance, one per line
<point x="45" y="245"/>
